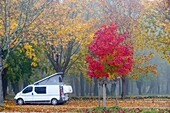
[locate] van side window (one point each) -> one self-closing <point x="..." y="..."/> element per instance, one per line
<point x="60" y="80"/>
<point x="40" y="90"/>
<point x="28" y="90"/>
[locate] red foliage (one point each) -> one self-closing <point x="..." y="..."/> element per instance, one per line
<point x="108" y="53"/>
<point x="96" y="68"/>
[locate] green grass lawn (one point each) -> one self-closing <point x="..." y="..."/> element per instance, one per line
<point x="125" y="110"/>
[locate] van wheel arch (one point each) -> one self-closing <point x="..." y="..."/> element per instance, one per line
<point x="20" y="101"/>
<point x="54" y="101"/>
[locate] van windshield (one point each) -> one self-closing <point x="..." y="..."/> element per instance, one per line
<point x="27" y="90"/>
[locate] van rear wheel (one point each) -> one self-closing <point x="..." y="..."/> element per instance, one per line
<point x="54" y="101"/>
<point x="20" y="101"/>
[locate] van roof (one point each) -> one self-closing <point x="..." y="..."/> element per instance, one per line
<point x="55" y="74"/>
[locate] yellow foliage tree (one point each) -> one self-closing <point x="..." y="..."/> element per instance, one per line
<point x="16" y="16"/>
<point x="155" y="27"/>
<point x="65" y="28"/>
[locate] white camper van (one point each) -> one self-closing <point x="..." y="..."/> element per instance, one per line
<point x="48" y="90"/>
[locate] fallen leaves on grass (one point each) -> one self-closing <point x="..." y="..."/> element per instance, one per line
<point x="83" y="104"/>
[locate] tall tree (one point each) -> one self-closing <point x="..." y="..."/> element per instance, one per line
<point x="155" y="27"/>
<point x="109" y="56"/>
<point x="65" y="28"/>
<point x="127" y="13"/>
<point x="15" y="19"/>
<point x="21" y="64"/>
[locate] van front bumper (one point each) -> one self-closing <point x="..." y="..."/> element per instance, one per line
<point x="15" y="100"/>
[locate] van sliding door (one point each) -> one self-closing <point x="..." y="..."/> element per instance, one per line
<point x="40" y="94"/>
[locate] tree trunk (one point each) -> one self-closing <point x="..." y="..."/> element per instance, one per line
<point x="15" y="87"/>
<point x="167" y="88"/>
<point x="4" y="82"/>
<point x="107" y="91"/>
<point x="113" y="88"/>
<point x="76" y="86"/>
<point x="117" y="91"/>
<point x="104" y="95"/>
<point x="57" y="68"/>
<point x="87" y="88"/>
<point x="104" y="92"/>
<point x="82" y="84"/>
<point x="120" y="90"/>
<point x="132" y="87"/>
<point x="98" y="92"/>
<point x="10" y="90"/>
<point x="1" y="90"/>
<point x="90" y="89"/>
<point x="95" y="87"/>
<point x="158" y="86"/>
<point x="150" y="88"/>
<point x="72" y="83"/>
<point x="139" y="86"/>
<point x="26" y="82"/>
<point x="123" y="87"/>
<point x="127" y="86"/>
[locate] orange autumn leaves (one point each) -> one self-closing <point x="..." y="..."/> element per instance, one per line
<point x="79" y="105"/>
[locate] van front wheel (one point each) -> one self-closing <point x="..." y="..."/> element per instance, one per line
<point x="54" y="101"/>
<point x="20" y="101"/>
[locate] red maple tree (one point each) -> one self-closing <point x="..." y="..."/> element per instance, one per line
<point x="108" y="53"/>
